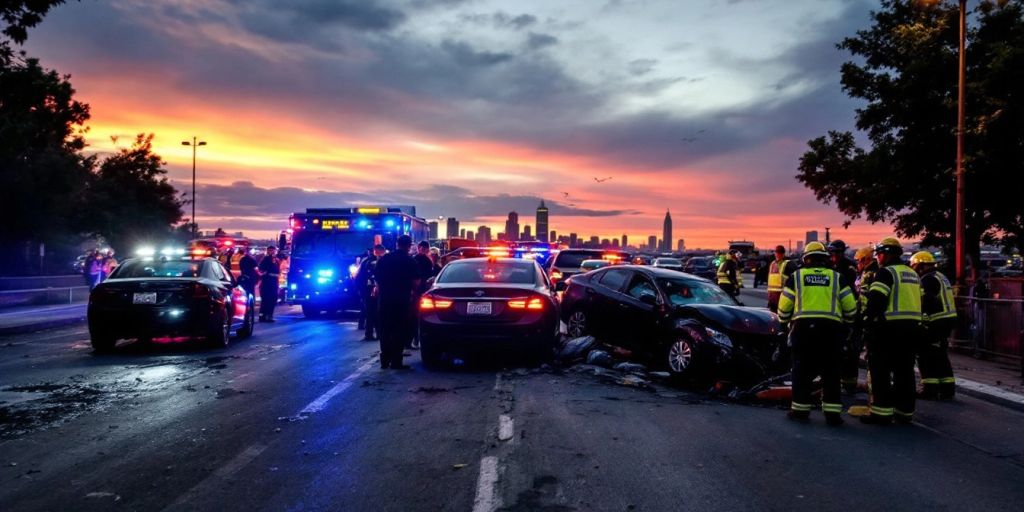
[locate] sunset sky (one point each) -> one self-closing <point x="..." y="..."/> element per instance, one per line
<point x="473" y="108"/>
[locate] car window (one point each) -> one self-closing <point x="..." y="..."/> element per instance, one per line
<point x="156" y="269"/>
<point x="614" y="279"/>
<point x="681" y="292"/>
<point x="573" y="259"/>
<point x="641" y="285"/>
<point x="479" y="270"/>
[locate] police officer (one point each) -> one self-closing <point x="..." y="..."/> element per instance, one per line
<point x="269" y="269"/>
<point x="893" y="326"/>
<point x="777" y="275"/>
<point x="729" y="274"/>
<point x="816" y="301"/>
<point x="248" y="275"/>
<point x="939" y="314"/>
<point x="397" y="278"/>
<point x="365" y="284"/>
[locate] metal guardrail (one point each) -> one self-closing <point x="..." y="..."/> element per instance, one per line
<point x="43" y="296"/>
<point x="991" y="326"/>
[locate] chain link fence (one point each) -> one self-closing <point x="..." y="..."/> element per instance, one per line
<point x="992" y="319"/>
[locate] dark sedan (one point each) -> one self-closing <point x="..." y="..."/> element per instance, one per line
<point x="676" y="322"/>
<point x="701" y="266"/>
<point x="482" y="304"/>
<point x="169" y="297"/>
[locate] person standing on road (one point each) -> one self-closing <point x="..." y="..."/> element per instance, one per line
<point x="398" y="278"/>
<point x="893" y="326"/>
<point x="852" y="345"/>
<point x="96" y="267"/>
<point x="816" y="302"/>
<point x="366" y="283"/>
<point x="426" y="271"/>
<point x="939" y="313"/>
<point x="269" y="269"/>
<point x="729" y="275"/>
<point x="777" y="276"/>
<point x="248" y="275"/>
<point x="109" y="264"/>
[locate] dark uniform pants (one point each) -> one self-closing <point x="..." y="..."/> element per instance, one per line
<point x="268" y="297"/>
<point x="728" y="288"/>
<point x="891" y="347"/>
<point x="933" y="360"/>
<point x="395" y="330"/>
<point x="852" y="348"/>
<point x="816" y="351"/>
<point x="371" y="316"/>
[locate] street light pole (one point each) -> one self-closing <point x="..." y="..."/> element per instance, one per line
<point x="961" y="230"/>
<point x="194" y="143"/>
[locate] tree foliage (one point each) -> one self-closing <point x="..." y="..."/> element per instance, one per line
<point x="905" y="69"/>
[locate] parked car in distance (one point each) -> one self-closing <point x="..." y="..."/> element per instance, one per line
<point x="589" y="265"/>
<point x="669" y="263"/>
<point x="701" y="266"/>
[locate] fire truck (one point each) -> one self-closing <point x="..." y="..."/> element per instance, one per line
<point x="328" y="244"/>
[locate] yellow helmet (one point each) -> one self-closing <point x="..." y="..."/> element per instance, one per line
<point x="863" y="252"/>
<point x="815" y="249"/>
<point x="889" y="246"/>
<point x="921" y="257"/>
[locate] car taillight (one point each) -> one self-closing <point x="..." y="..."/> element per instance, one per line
<point x="430" y="303"/>
<point x="535" y="303"/>
<point x="556" y="275"/>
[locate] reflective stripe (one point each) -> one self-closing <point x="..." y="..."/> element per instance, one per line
<point x="905" y="296"/>
<point x="946" y="296"/>
<point x="827" y="407"/>
<point x="845" y="292"/>
<point x="788" y="294"/>
<point x="930" y="381"/>
<point x="905" y="414"/>
<point x="881" y="411"/>
<point x="947" y="380"/>
<point x="810" y="300"/>
<point x="800" y="407"/>
<point x="880" y="287"/>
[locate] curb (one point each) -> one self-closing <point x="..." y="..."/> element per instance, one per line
<point x="41" y="326"/>
<point x="990" y="394"/>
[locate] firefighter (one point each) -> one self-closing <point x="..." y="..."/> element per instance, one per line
<point x="939" y="315"/>
<point x="775" y="281"/>
<point x="892" y="328"/>
<point x="816" y="302"/>
<point x="852" y="344"/>
<point x="729" y="278"/>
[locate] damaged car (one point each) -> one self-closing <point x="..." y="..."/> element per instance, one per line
<point x="676" y="322"/>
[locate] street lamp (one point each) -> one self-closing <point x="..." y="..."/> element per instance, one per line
<point x="961" y="230"/>
<point x="194" y="143"/>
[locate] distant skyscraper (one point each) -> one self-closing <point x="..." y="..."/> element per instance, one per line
<point x="552" y="237"/>
<point x="512" y="227"/>
<point x="574" y="240"/>
<point x="625" y="241"/>
<point x="483" y="235"/>
<point x="595" y="241"/>
<point x="680" y="246"/>
<point x="615" y="243"/>
<point x="527" y="233"/>
<point x="453" y="228"/>
<point x="432" y="227"/>
<point x="811" y="236"/>
<point x="542" y="222"/>
<point x="652" y="243"/>
<point x="666" y="233"/>
<point x="462" y="233"/>
<point x="471" y="235"/>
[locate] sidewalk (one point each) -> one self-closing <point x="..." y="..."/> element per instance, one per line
<point x="994" y="381"/>
<point x="21" y="320"/>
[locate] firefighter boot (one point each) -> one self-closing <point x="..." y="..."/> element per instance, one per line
<point x="929" y="389"/>
<point x="947" y="388"/>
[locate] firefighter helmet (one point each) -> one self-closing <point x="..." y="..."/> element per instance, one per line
<point x="837" y="246"/>
<point x="814" y="249"/>
<point x="863" y="252"/>
<point x="889" y="246"/>
<point x="922" y="257"/>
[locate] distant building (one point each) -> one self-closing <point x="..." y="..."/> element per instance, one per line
<point x="680" y="246"/>
<point x="462" y="233"/>
<point x="527" y="233"/>
<point x="512" y="227"/>
<point x="666" y="233"/>
<point x="799" y="247"/>
<point x="615" y="243"/>
<point x="605" y="242"/>
<point x="542" y="223"/>
<point x="652" y="243"/>
<point x="483" y="235"/>
<point x="625" y="241"/>
<point x="552" y="237"/>
<point x="574" y="240"/>
<point x="453" y="228"/>
<point x="432" y="228"/>
<point x="595" y="241"/>
<point x="470" y="235"/>
<point x="810" y="236"/>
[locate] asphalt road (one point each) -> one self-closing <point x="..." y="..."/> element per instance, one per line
<point x="300" y="417"/>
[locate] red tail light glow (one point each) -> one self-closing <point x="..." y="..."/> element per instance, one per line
<point x="535" y="304"/>
<point x="556" y="275"/>
<point x="428" y="303"/>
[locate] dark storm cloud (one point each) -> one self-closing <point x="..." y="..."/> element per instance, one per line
<point x="244" y="199"/>
<point x="500" y="20"/>
<point x="537" y="41"/>
<point x="464" y="55"/>
<point x="357" y="14"/>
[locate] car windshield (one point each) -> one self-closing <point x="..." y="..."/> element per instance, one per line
<point x="157" y="269"/>
<point x="592" y="264"/>
<point x="330" y="243"/>
<point x="573" y="259"/>
<point x="487" y="271"/>
<point x="681" y="292"/>
<point x="698" y="263"/>
<point x="669" y="262"/>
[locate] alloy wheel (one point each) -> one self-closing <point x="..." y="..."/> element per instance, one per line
<point x="577" y="324"/>
<point x="680" y="355"/>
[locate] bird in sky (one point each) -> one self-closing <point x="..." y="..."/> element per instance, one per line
<point x="566" y="194"/>
<point x="602" y="180"/>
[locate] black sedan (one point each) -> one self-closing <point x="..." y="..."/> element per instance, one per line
<point x="677" y="322"/>
<point x="481" y="304"/>
<point x="170" y="298"/>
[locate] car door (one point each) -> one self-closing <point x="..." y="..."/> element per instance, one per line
<point x="641" y="308"/>
<point x="606" y="297"/>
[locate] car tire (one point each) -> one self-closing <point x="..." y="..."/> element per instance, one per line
<point x="102" y="342"/>
<point x="577" y="324"/>
<point x="220" y="332"/>
<point x="249" y="325"/>
<point x="681" y="357"/>
<point x="430" y="353"/>
<point x="310" y="311"/>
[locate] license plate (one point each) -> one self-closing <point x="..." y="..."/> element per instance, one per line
<point x="478" y="308"/>
<point x="144" y="298"/>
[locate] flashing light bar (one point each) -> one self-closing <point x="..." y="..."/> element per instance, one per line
<point x="145" y="252"/>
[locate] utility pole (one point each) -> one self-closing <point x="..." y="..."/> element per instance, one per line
<point x="194" y="143"/>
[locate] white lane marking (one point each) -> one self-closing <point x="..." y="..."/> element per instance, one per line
<point x="222" y="473"/>
<point x="486" y="499"/>
<point x="321" y="402"/>
<point x="990" y="390"/>
<point x="506" y="428"/>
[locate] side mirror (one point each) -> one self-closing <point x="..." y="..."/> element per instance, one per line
<point x="650" y="299"/>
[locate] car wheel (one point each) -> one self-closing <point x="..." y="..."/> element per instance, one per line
<point x="577" y="325"/>
<point x="684" y="361"/>
<point x="250" y="323"/>
<point x="430" y="353"/>
<point x="310" y="311"/>
<point x="102" y="342"/>
<point x="220" y="334"/>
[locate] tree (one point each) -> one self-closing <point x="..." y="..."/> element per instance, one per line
<point x="906" y="71"/>
<point x="18" y="16"/>
<point x="131" y="200"/>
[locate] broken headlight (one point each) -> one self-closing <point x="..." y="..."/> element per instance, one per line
<point x="719" y="338"/>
